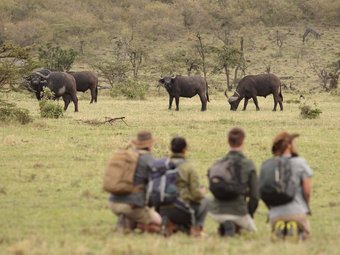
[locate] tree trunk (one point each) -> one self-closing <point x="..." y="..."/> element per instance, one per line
<point x="226" y="70"/>
<point x="201" y="52"/>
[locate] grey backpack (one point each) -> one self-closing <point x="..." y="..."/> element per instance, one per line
<point x="277" y="186"/>
<point x="225" y="179"/>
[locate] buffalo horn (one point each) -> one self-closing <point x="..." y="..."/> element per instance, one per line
<point x="232" y="99"/>
<point x="225" y="93"/>
<point x="43" y="76"/>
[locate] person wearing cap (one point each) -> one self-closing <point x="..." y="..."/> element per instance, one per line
<point x="237" y="214"/>
<point x="131" y="208"/>
<point x="298" y="209"/>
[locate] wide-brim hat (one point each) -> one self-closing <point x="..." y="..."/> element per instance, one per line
<point x="144" y="140"/>
<point x="282" y="140"/>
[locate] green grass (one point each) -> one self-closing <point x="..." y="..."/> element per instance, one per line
<point x="51" y="172"/>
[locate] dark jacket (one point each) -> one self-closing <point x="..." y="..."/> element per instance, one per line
<point x="244" y="204"/>
<point x="144" y="163"/>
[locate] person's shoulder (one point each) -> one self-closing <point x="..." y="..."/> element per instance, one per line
<point x="186" y="165"/>
<point x="298" y="160"/>
<point x="248" y="162"/>
<point x="301" y="163"/>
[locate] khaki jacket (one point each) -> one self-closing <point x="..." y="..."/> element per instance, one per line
<point x="188" y="182"/>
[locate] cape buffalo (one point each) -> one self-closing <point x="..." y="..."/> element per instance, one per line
<point x="186" y="86"/>
<point x="87" y="80"/>
<point x="60" y="83"/>
<point x="252" y="86"/>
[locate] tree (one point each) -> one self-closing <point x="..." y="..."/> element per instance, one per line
<point x="136" y="54"/>
<point x="115" y="70"/>
<point x="181" y="59"/>
<point x="228" y="57"/>
<point x="201" y="51"/>
<point x="15" y="62"/>
<point x="56" y="58"/>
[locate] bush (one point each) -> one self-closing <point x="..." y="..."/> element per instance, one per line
<point x="48" y="107"/>
<point x="10" y="113"/>
<point x="309" y="112"/>
<point x="131" y="89"/>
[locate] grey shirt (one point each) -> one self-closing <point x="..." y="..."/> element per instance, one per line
<point x="301" y="170"/>
<point x="141" y="177"/>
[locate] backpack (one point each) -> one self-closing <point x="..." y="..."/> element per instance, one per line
<point x="120" y="171"/>
<point x="162" y="188"/>
<point x="225" y="179"/>
<point x="277" y="186"/>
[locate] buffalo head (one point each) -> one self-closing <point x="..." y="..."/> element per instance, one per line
<point x="37" y="80"/>
<point x="167" y="82"/>
<point x="234" y="100"/>
<point x="39" y="77"/>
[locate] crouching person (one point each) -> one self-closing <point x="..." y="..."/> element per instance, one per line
<point x="285" y="187"/>
<point x="126" y="178"/>
<point x="187" y="212"/>
<point x="233" y="183"/>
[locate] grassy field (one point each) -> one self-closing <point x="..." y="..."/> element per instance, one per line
<point x="51" y="172"/>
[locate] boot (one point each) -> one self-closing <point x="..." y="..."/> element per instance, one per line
<point x="227" y="228"/>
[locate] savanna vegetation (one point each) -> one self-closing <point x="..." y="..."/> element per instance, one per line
<point x="51" y="168"/>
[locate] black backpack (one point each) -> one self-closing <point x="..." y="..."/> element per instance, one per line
<point x="277" y="186"/>
<point x="225" y="179"/>
<point x="162" y="189"/>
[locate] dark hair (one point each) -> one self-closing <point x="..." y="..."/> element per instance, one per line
<point x="178" y="144"/>
<point x="236" y="137"/>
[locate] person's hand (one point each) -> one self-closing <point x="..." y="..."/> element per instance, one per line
<point x="203" y="190"/>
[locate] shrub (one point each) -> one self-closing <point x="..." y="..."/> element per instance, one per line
<point x="309" y="112"/>
<point x="48" y="107"/>
<point x="11" y="113"/>
<point x="131" y="89"/>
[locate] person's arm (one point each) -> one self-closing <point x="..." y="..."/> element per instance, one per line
<point x="253" y="193"/>
<point x="307" y="188"/>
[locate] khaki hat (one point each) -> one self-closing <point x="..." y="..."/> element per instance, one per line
<point x="144" y="140"/>
<point x="281" y="141"/>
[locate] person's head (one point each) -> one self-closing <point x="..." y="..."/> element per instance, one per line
<point x="236" y="137"/>
<point x="178" y="145"/>
<point x="143" y="141"/>
<point x="283" y="143"/>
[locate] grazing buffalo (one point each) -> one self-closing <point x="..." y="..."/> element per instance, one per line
<point x="252" y="86"/>
<point x="186" y="86"/>
<point x="87" y="80"/>
<point x="60" y="83"/>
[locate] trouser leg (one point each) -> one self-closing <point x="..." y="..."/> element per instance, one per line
<point x="201" y="211"/>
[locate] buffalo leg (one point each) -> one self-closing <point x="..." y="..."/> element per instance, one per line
<point x="245" y="103"/>
<point x="171" y="98"/>
<point x="38" y="95"/>
<point x="177" y="103"/>
<point x="93" y="96"/>
<point x="275" y="102"/>
<point x="280" y="103"/>
<point x="256" y="103"/>
<point x="96" y="94"/>
<point x="277" y="99"/>
<point x="67" y="100"/>
<point x="203" y="101"/>
<point x="75" y="102"/>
